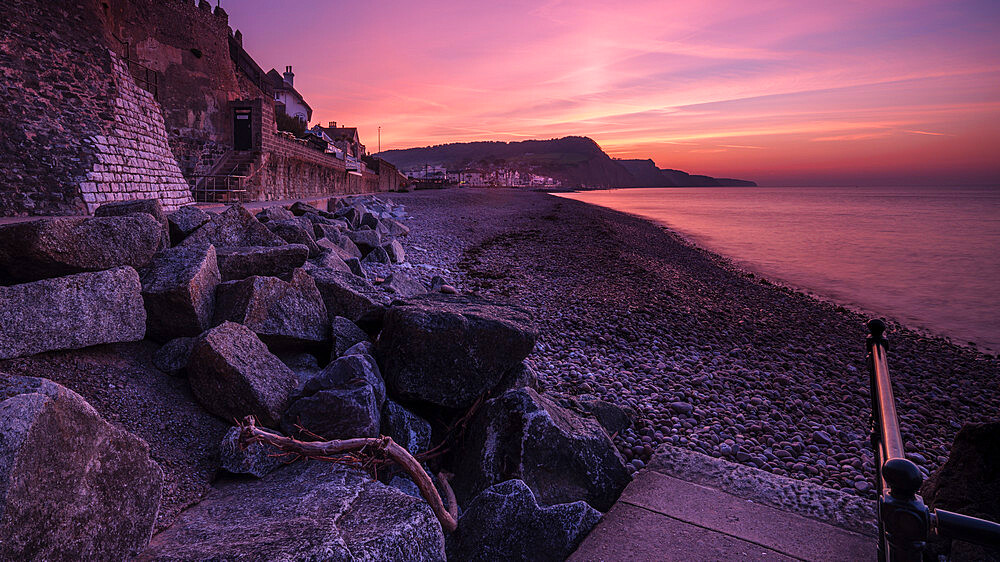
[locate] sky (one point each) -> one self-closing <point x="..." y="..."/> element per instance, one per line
<point x="785" y="93"/>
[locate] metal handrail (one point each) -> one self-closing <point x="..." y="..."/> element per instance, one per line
<point x="219" y="188"/>
<point x="905" y="523"/>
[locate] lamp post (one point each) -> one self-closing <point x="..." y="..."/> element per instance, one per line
<point x="380" y="140"/>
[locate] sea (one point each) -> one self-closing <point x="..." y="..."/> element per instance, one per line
<point x="928" y="257"/>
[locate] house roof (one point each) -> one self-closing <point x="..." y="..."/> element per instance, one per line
<point x="278" y="81"/>
<point x="349" y="134"/>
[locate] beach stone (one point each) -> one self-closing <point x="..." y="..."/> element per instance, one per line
<point x="282" y="313"/>
<point x="275" y="213"/>
<point x="366" y="240"/>
<point x="72" y="486"/>
<point x="305" y="511"/>
<point x="344" y="334"/>
<point x="394" y="250"/>
<point x="821" y="437"/>
<point x="681" y="408"/>
<point x="178" y="289"/>
<point x="257" y="459"/>
<point x="448" y="351"/>
<point x="233" y="375"/>
<point x="47" y="248"/>
<point x="293" y="232"/>
<point x="505" y="522"/>
<point x="561" y="456"/>
<point x="172" y="357"/>
<point x="184" y="221"/>
<point x="346" y="294"/>
<point x="71" y="312"/>
<point x="151" y="207"/>
<point x="234" y="227"/>
<point x="240" y="262"/>
<point x="403" y="285"/>
<point x="409" y="430"/>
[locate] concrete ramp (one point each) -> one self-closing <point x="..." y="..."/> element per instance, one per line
<point x="687" y="506"/>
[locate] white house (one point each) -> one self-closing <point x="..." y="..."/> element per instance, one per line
<point x="285" y="95"/>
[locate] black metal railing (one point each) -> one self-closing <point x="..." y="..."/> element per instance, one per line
<point x="145" y="77"/>
<point x="220" y="188"/>
<point x="905" y="523"/>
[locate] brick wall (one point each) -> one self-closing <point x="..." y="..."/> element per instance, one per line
<point x="133" y="159"/>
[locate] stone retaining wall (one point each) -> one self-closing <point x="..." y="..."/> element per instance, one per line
<point x="134" y="160"/>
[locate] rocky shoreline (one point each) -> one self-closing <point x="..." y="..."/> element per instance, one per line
<point x="133" y="342"/>
<point x="712" y="358"/>
<point x="536" y="348"/>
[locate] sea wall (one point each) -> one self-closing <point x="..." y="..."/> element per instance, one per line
<point x="74" y="123"/>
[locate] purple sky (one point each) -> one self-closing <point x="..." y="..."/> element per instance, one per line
<point x="781" y="92"/>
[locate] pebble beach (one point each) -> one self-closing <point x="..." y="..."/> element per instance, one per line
<point x="708" y="356"/>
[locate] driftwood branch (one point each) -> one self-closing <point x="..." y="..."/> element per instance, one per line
<point x="323" y="450"/>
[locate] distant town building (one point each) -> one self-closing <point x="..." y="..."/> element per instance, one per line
<point x="344" y="138"/>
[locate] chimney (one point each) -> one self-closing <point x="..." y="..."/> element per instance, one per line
<point x="289" y="75"/>
<point x="333" y="125"/>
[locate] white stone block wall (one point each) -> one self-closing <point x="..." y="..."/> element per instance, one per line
<point x="134" y="160"/>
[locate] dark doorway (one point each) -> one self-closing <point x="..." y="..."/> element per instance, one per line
<point x="242" y="130"/>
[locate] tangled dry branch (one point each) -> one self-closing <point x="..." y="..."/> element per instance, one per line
<point x="327" y="450"/>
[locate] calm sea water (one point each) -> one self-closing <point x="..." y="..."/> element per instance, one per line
<point x="926" y="256"/>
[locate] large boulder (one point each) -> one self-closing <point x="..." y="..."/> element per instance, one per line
<point x="346" y="294"/>
<point x="401" y="284"/>
<point x="395" y="251"/>
<point x="71" y="312"/>
<point x="449" y="350"/>
<point x="341" y="240"/>
<point x="344" y="334"/>
<point x="969" y="482"/>
<point x="178" y="288"/>
<point x="151" y="207"/>
<point x="505" y="522"/>
<point x="331" y="258"/>
<point x="562" y="457"/>
<point x="184" y="221"/>
<point x="240" y="262"/>
<point x="342" y="402"/>
<point x="42" y="249"/>
<point x="366" y="240"/>
<point x="172" y="357"/>
<point x="274" y="213"/>
<point x="395" y="227"/>
<point x="255" y="459"/>
<point x="72" y="486"/>
<point x="412" y="432"/>
<point x="233" y="375"/>
<point x="234" y="227"/>
<point x="282" y="313"/>
<point x="306" y="511"/>
<point x="293" y="232"/>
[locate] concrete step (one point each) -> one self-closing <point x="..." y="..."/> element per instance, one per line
<point x="662" y="516"/>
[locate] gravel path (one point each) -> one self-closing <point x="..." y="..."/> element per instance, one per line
<point x="713" y="358"/>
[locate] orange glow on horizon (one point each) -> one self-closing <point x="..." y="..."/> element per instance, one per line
<point x="778" y="92"/>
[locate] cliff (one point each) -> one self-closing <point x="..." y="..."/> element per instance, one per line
<point x="575" y="161"/>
